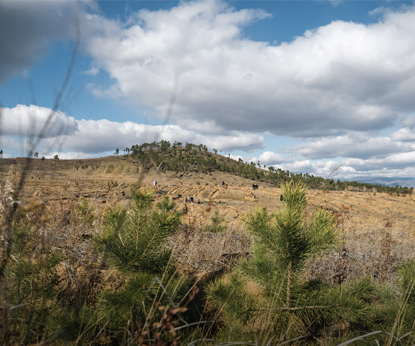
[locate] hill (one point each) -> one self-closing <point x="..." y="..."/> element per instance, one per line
<point x="65" y="205"/>
<point x="364" y="216"/>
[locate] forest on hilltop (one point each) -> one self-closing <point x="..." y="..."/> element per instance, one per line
<point x="196" y="158"/>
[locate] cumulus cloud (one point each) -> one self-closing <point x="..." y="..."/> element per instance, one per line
<point x="92" y="138"/>
<point x="336" y="78"/>
<point x="404" y="134"/>
<point x="266" y="158"/>
<point x="69" y="155"/>
<point x="97" y="136"/>
<point x="28" y="121"/>
<point x="352" y="145"/>
<point x="394" y="161"/>
<point x="393" y="165"/>
<point x="101" y="136"/>
<point x="28" y="27"/>
<point x="93" y="71"/>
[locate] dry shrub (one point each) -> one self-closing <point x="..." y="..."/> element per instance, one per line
<point x="343" y="215"/>
<point x="374" y="246"/>
<point x="61" y="228"/>
<point x="46" y="233"/>
<point x="388" y="222"/>
<point x="206" y="251"/>
<point x="164" y="331"/>
<point x="364" y="252"/>
<point x="82" y="274"/>
<point x="208" y="209"/>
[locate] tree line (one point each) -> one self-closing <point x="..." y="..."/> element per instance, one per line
<point x="188" y="157"/>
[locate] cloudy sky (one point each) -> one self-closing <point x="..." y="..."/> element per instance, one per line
<point x="301" y="85"/>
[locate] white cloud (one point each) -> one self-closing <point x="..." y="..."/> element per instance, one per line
<point x="28" y="121"/>
<point x="93" y="71"/>
<point x="267" y="158"/>
<point x="404" y="134"/>
<point x="394" y="165"/>
<point x="394" y="161"/>
<point x="70" y="155"/>
<point x="400" y="164"/>
<point x="336" y="78"/>
<point x="101" y="136"/>
<point x="301" y="166"/>
<point x="92" y="138"/>
<point x="112" y="92"/>
<point x="352" y="145"/>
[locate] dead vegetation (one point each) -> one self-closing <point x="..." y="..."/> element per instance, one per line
<point x="377" y="231"/>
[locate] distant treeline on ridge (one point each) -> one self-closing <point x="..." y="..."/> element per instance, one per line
<point x="196" y="158"/>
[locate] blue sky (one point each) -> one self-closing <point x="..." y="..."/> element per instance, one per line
<point x="300" y="85"/>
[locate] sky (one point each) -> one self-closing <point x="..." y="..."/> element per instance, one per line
<point x="305" y="86"/>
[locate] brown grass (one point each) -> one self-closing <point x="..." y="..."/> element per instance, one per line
<point x="377" y="231"/>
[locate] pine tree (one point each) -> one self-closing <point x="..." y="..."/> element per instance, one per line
<point x="216" y="225"/>
<point x="289" y="304"/>
<point x="133" y="242"/>
<point x="29" y="292"/>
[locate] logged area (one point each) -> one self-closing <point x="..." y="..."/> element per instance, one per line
<point x="95" y="238"/>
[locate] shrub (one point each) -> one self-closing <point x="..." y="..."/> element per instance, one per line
<point x="286" y="303"/>
<point x="29" y="289"/>
<point x="216" y="225"/>
<point x="86" y="213"/>
<point x="132" y="241"/>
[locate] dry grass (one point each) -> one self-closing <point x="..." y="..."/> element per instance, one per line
<point x="56" y="225"/>
<point x="198" y="251"/>
<point x="365" y="251"/>
<point x="377" y="235"/>
<point x="377" y="230"/>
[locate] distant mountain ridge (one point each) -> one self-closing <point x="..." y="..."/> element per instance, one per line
<point x="388" y="181"/>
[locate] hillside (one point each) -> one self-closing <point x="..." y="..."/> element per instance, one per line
<point x="68" y="207"/>
<point x="364" y="217"/>
<point x="103" y="180"/>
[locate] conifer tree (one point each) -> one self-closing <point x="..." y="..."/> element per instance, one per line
<point x="290" y="304"/>
<point x="133" y="242"/>
<point x="291" y="239"/>
<point x="216" y="225"/>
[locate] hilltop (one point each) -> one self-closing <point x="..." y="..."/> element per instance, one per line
<point x="65" y="205"/>
<point x="192" y="171"/>
<point x="364" y="215"/>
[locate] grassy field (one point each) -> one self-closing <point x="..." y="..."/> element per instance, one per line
<point x="376" y="229"/>
<point x="369" y="221"/>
